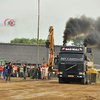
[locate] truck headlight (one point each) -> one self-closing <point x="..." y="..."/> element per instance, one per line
<point x="60" y="72"/>
<point x="60" y="75"/>
<point x="80" y="73"/>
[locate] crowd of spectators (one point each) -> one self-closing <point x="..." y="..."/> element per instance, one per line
<point x="43" y="72"/>
<point x="7" y="70"/>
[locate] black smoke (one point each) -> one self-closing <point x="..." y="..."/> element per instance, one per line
<point x="93" y="38"/>
<point x="77" y="26"/>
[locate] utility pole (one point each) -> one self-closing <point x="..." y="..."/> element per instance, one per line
<point x="35" y="70"/>
<point x="38" y="34"/>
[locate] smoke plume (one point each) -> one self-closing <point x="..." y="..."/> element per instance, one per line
<point x="77" y="26"/>
<point x="93" y="38"/>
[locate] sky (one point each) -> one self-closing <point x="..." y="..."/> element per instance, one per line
<point x="52" y="13"/>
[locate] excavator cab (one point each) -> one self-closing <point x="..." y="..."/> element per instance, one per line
<point x="56" y="59"/>
<point x="47" y="44"/>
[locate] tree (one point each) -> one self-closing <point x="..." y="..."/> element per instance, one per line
<point x="28" y="41"/>
<point x="78" y="41"/>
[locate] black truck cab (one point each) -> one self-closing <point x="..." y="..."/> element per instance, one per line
<point x="72" y="64"/>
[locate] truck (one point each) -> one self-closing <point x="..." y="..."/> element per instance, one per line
<point x="73" y="65"/>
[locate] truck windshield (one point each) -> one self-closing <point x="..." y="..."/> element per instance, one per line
<point x="71" y="57"/>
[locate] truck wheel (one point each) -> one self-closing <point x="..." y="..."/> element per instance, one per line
<point x="83" y="80"/>
<point x="87" y="78"/>
<point x="87" y="81"/>
<point x="60" y="80"/>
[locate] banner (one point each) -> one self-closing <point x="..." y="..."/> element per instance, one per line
<point x="8" y="22"/>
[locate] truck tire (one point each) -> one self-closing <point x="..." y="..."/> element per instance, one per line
<point x="87" y="81"/>
<point x="83" y="80"/>
<point x="61" y="80"/>
<point x="87" y="78"/>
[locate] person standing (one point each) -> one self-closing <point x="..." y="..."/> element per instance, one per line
<point x="9" y="70"/>
<point x="39" y="72"/>
<point x="46" y="72"/>
<point x="4" y="71"/>
<point x="25" y="71"/>
<point x="21" y="71"/>
<point x="1" y="71"/>
<point x="42" y="74"/>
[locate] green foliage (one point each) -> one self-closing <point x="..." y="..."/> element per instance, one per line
<point x="28" y="41"/>
<point x="78" y="41"/>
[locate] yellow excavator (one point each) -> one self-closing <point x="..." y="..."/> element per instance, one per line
<point x="50" y="46"/>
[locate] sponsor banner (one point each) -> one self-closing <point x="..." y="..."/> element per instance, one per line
<point x="71" y="59"/>
<point x="72" y="49"/>
<point x="8" y="22"/>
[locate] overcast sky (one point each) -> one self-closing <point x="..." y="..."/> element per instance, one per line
<point x="52" y="13"/>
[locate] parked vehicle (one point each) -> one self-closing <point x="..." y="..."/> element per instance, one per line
<point x="29" y="67"/>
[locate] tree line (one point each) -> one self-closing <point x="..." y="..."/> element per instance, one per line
<point x="28" y="41"/>
<point x="75" y="41"/>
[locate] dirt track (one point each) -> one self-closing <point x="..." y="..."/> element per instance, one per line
<point x="47" y="90"/>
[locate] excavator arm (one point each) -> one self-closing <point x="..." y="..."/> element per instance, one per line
<point x="50" y="45"/>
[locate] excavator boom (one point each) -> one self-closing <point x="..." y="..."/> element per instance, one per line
<point x="50" y="45"/>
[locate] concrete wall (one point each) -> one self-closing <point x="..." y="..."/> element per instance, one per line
<point x="28" y="53"/>
<point x="24" y="53"/>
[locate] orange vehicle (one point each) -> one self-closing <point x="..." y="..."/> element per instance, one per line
<point x="50" y="46"/>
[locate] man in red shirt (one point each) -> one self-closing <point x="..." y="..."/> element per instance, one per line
<point x="1" y="71"/>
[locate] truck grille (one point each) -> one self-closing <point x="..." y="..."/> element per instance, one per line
<point x="73" y="69"/>
<point x="63" y="67"/>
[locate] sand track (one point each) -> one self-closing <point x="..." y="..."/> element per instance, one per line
<point x="47" y="90"/>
